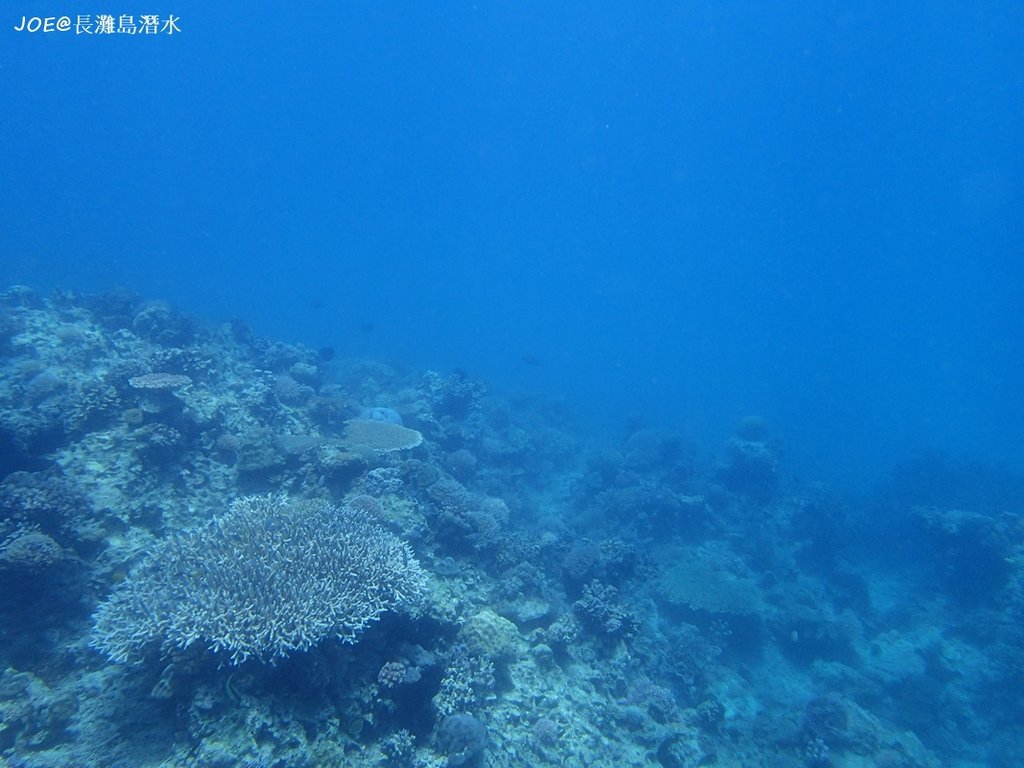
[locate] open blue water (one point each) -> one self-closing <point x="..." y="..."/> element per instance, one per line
<point x="688" y="211"/>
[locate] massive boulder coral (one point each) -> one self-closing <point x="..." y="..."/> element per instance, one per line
<point x="270" y="577"/>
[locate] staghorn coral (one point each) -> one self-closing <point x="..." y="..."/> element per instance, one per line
<point x="270" y="577"/>
<point x="48" y="501"/>
<point x="467" y="683"/>
<point x="399" y="748"/>
<point x="600" y="612"/>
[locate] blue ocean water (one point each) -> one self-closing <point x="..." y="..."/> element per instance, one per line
<point x="672" y="216"/>
<point x="691" y="212"/>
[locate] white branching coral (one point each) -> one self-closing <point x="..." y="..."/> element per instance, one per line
<point x="270" y="577"/>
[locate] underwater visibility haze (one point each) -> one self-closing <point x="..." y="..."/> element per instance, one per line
<point x="512" y="384"/>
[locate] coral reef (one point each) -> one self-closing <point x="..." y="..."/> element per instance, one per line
<point x="311" y="560"/>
